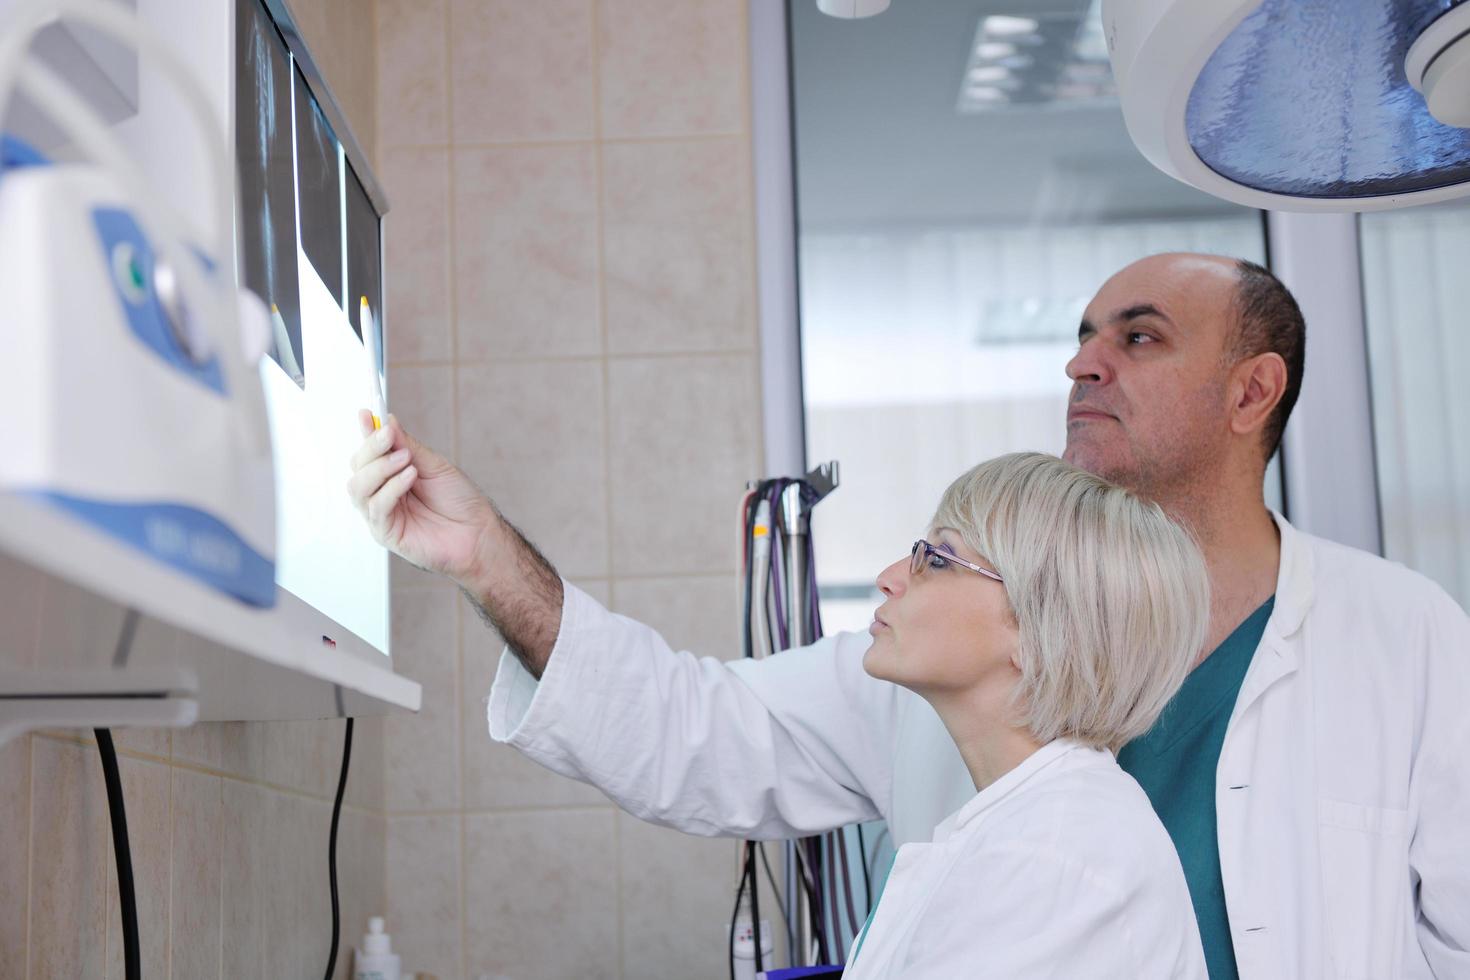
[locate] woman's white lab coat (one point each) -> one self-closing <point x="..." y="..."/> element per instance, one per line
<point x="1342" y="789"/>
<point x="1060" y="868"/>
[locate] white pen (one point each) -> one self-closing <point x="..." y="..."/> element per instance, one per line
<point x="370" y="338"/>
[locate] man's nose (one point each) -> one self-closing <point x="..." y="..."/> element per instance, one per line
<point x="1091" y="364"/>
<point x="894" y="579"/>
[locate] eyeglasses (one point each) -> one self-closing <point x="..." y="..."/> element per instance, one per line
<point x="923" y="552"/>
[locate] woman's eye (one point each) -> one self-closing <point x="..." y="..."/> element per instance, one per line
<point x="935" y="561"/>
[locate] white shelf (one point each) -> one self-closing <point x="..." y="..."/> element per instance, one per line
<point x="245" y="664"/>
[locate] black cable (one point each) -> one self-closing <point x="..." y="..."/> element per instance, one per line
<point x="749" y="873"/>
<point x="803" y="877"/>
<point x="755" y="906"/>
<point x="780" y="905"/>
<point x="812" y="870"/>
<point x="127" y="898"/>
<point x="734" y="914"/>
<point x="332" y="849"/>
<point x="750" y="510"/>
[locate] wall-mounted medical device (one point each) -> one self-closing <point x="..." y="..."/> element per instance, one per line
<point x="1299" y="105"/>
<point x="185" y="356"/>
<point x="131" y="402"/>
<point x="852" y="9"/>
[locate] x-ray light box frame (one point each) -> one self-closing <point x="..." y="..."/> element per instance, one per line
<point x="238" y="663"/>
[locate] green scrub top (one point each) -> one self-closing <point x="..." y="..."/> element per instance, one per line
<point x="1175" y="763"/>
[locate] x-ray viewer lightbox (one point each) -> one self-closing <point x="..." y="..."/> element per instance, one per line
<point x="310" y="246"/>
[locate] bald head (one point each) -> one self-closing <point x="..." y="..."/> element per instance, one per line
<point x="1214" y="274"/>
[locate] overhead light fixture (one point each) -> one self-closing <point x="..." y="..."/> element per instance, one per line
<point x="994" y="49"/>
<point x="984" y="93"/>
<point x="852" y="9"/>
<point x="1092" y="40"/>
<point x="1299" y="105"/>
<point x="1438" y="66"/>
<point x="1016" y="62"/>
<point x="1000" y="25"/>
<point x="988" y="73"/>
<point x="1079" y="92"/>
<point x="1088" y="71"/>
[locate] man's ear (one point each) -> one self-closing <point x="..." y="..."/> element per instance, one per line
<point x="1259" y="384"/>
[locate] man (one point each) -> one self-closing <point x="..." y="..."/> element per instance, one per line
<point x="1310" y="771"/>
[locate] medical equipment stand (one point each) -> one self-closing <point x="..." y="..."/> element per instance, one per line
<point x="795" y="526"/>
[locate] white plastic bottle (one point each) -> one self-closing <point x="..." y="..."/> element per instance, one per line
<point x="374" y="959"/>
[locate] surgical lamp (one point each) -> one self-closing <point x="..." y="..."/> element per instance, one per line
<point x="1299" y="105"/>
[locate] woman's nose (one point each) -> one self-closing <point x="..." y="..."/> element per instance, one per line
<point x="894" y="579"/>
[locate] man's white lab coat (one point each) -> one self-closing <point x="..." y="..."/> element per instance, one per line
<point x="1342" y="790"/>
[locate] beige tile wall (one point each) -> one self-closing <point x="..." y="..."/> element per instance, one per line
<point x="228" y="823"/>
<point x="571" y="308"/>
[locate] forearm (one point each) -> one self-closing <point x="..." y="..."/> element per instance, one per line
<point x="686" y="742"/>
<point x="516" y="591"/>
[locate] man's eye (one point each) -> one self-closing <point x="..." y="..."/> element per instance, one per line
<point x="1141" y="338"/>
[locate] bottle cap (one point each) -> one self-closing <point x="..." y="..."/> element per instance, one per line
<point x="376" y="942"/>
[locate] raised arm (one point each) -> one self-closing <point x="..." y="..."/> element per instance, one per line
<point x="788" y="745"/>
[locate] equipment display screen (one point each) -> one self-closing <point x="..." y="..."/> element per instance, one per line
<point x="310" y="247"/>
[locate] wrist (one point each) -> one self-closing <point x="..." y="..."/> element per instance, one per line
<point x="480" y="564"/>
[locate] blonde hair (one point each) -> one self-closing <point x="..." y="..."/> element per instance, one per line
<point x="1111" y="597"/>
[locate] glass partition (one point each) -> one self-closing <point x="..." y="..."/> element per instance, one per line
<point x="1418" y="349"/>
<point x="965" y="183"/>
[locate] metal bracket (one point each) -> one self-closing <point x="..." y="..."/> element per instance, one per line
<point x="145" y="697"/>
<point x="822" y="480"/>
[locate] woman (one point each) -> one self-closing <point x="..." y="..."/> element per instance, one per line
<point x="1048" y="618"/>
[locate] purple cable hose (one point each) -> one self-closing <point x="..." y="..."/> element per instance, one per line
<point x="777" y="555"/>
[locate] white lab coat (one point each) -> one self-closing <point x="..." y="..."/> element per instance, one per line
<point x="1342" y="790"/>
<point x="1060" y="868"/>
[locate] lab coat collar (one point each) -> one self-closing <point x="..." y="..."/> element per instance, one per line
<point x="1295" y="588"/>
<point x="1007" y="785"/>
<point x="1279" y="654"/>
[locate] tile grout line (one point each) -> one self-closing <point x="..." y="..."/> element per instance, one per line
<point x="107" y="872"/>
<point x="382" y="160"/>
<point x="452" y="247"/>
<point x="221" y="910"/>
<point x="30" y="844"/>
<point x="168" y="945"/>
<point x="553" y="143"/>
<point x="607" y="463"/>
<point x="224" y="774"/>
<point x="600" y="186"/>
<point x="753" y="230"/>
<point x="576" y="358"/>
<point x="462" y="789"/>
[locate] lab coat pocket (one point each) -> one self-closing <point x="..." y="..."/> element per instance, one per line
<point x="1365" y="876"/>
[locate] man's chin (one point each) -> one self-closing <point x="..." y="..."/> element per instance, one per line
<point x="1112" y="466"/>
